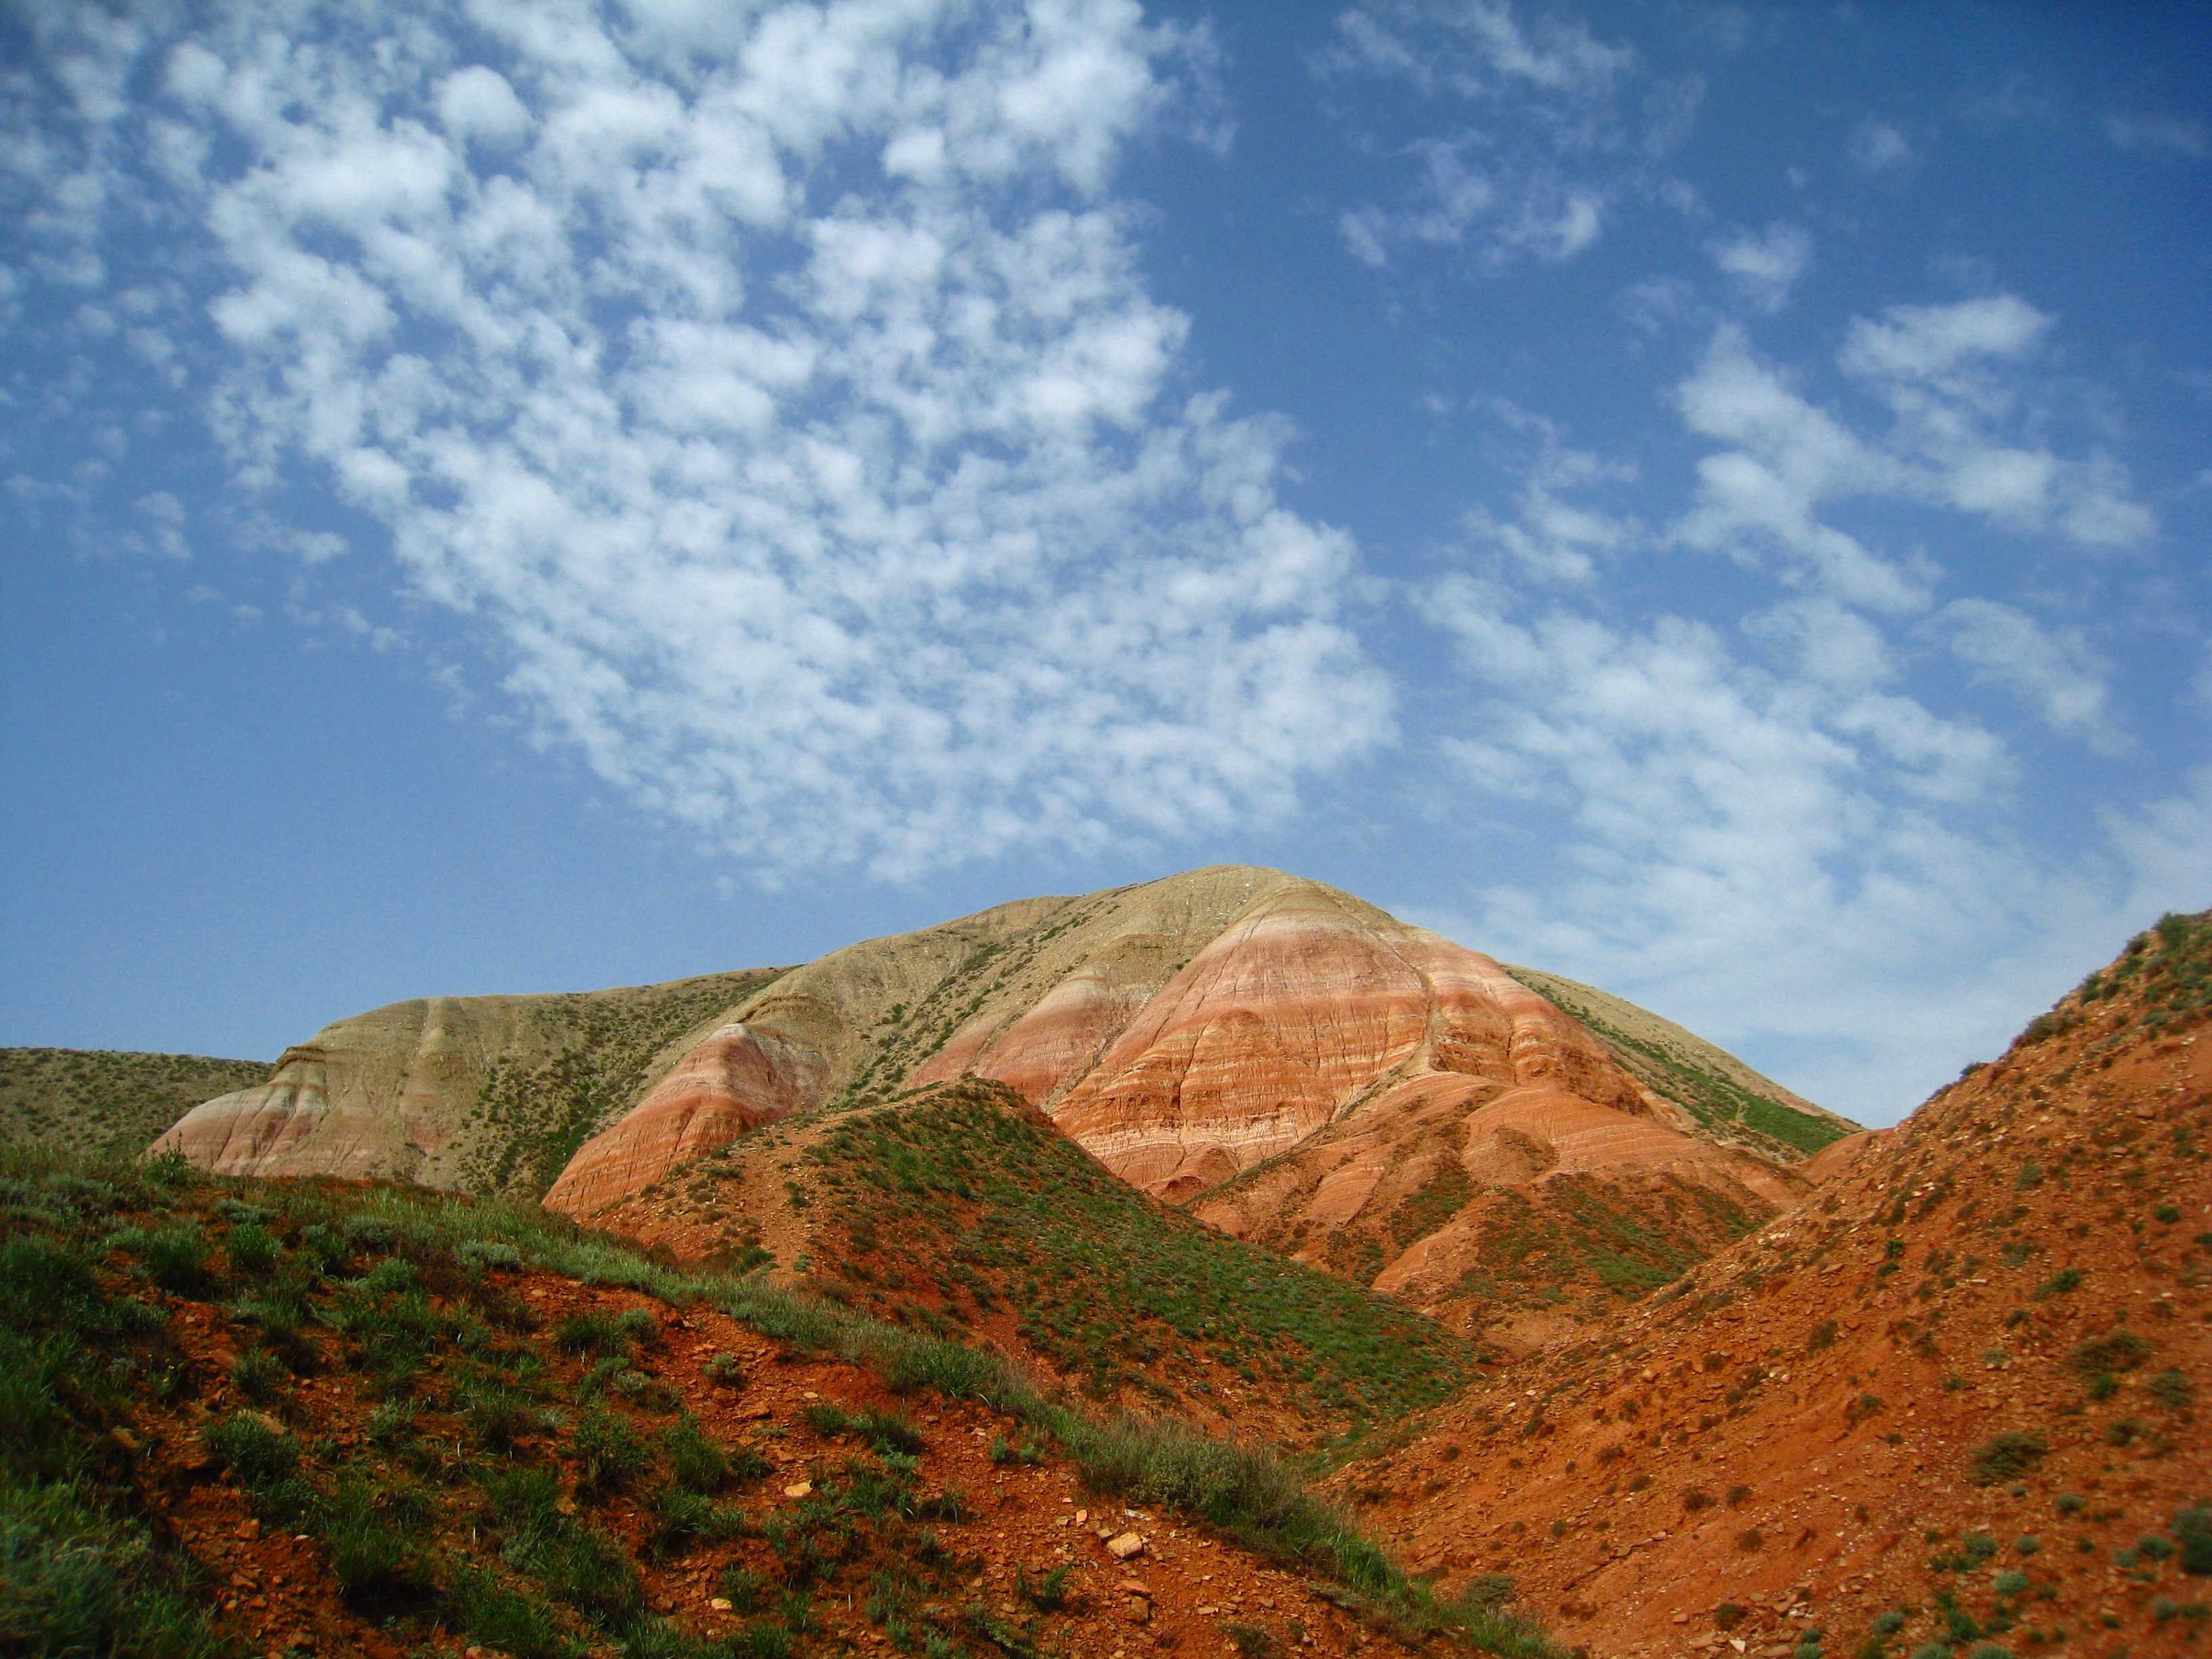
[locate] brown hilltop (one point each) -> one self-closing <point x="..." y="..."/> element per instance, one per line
<point x="1954" y="1398"/>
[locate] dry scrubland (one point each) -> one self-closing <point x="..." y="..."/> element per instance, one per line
<point x="891" y="1374"/>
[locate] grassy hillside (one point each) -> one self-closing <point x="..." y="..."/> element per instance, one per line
<point x="293" y="1418"/>
<point x="959" y="1207"/>
<point x="530" y="1116"/>
<point x="1726" y="1097"/>
<point x="101" y="1100"/>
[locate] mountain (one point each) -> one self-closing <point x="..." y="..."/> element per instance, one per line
<point x="1955" y="1398"/>
<point x="100" y="1100"/>
<point x="1285" y="1062"/>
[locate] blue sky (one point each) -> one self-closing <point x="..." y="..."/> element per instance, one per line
<point x="1710" y="499"/>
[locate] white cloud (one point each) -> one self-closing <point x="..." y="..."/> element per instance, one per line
<point x="2055" y="673"/>
<point x="1876" y="147"/>
<point x="1802" y="869"/>
<point x="1542" y="130"/>
<point x="1765" y="265"/>
<point x="1952" y="376"/>
<point x="2177" y="134"/>
<point x="790" y="413"/>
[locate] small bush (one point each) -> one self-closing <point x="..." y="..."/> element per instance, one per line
<point x="591" y="1332"/>
<point x="2116" y="1351"/>
<point x="253" y="1249"/>
<point x="2003" y="1457"/>
<point x="2193" y="1529"/>
<point x="2172" y="1390"/>
<point x="609" y="1453"/>
<point x="256" y="1374"/>
<point x="257" y="1451"/>
<point x="174" y="1258"/>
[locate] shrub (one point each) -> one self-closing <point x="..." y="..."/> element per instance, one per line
<point x="725" y="1370"/>
<point x="2171" y="1389"/>
<point x="175" y="1258"/>
<point x="609" y="1453"/>
<point x="2192" y="1528"/>
<point x="255" y="1449"/>
<point x="2115" y="1351"/>
<point x="253" y="1249"/>
<point x="255" y="1373"/>
<point x="695" y="1462"/>
<point x="591" y="1332"/>
<point x="2002" y="1456"/>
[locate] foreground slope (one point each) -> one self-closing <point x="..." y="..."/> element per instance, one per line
<point x="1956" y="1398"/>
<point x="296" y="1418"/>
<point x="99" y="1100"/>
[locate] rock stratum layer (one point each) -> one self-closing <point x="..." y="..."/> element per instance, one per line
<point x="1292" y="1064"/>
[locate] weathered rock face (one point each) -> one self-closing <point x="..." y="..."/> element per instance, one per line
<point x="400" y="1093"/>
<point x="367" y="1096"/>
<point x="1183" y="1031"/>
<point x="737" y="1079"/>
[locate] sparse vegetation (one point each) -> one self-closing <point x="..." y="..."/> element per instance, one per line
<point x="478" y="1418"/>
<point x="104" y="1103"/>
<point x="1115" y="1291"/>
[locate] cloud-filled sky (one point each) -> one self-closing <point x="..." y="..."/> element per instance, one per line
<point x="515" y="495"/>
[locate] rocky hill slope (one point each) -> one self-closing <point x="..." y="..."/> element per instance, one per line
<point x="1952" y="1404"/>
<point x="1286" y="1060"/>
<point x="304" y="1417"/>
<point x="957" y="1208"/>
<point x="485" y="1092"/>
<point x="99" y="1100"/>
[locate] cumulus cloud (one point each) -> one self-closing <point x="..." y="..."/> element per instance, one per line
<point x="1542" y="129"/>
<point x="1764" y="266"/>
<point x="1876" y="147"/>
<point x="786" y="403"/>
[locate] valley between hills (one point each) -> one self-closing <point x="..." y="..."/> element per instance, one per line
<point x="1217" y="1266"/>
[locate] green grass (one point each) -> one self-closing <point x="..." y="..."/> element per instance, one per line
<point x="419" y="1524"/>
<point x="1112" y="1288"/>
<point x="530" y="1118"/>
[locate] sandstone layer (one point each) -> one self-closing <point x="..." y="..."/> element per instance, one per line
<point x="737" y="1079"/>
<point x="1294" y="1063"/>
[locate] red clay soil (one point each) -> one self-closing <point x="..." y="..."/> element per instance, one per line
<point x="1788" y="1441"/>
<point x="1179" y="1595"/>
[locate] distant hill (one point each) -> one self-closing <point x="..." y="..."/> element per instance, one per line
<point x="106" y="1100"/>
<point x="1953" y="1403"/>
